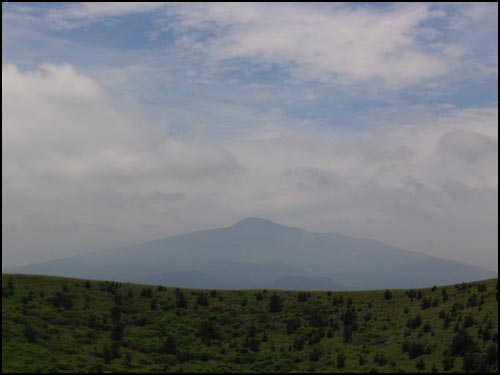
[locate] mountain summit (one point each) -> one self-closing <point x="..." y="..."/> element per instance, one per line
<point x="258" y="253"/>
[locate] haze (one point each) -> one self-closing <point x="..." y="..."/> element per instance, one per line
<point x="126" y="122"/>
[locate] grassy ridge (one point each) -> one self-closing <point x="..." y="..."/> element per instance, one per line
<point x="52" y="324"/>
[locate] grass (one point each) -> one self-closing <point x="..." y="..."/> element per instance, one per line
<point x="104" y="326"/>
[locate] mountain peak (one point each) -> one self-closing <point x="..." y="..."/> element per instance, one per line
<point x="254" y="221"/>
<point x="258" y="226"/>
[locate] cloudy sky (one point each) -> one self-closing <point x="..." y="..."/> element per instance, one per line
<point x="125" y="122"/>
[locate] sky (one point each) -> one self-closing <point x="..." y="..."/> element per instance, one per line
<point x="125" y="122"/>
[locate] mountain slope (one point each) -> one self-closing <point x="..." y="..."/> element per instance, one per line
<point x="52" y="324"/>
<point x="274" y="251"/>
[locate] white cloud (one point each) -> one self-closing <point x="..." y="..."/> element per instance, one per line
<point x="341" y="44"/>
<point x="79" y="14"/>
<point x="394" y="46"/>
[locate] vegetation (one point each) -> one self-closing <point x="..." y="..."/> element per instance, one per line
<point x="52" y="324"/>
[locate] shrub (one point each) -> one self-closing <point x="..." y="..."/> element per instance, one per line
<point x="468" y="321"/>
<point x="492" y="354"/>
<point x="414" y="349"/>
<point x="472" y="300"/>
<point x="117" y="331"/>
<point x="350" y="318"/>
<point x="461" y="343"/>
<point x="115" y="314"/>
<point x="180" y="299"/>
<point x="337" y="300"/>
<point x="299" y="342"/>
<point x="412" y="293"/>
<point x="153" y="304"/>
<point x="448" y="363"/>
<point x="202" y="300"/>
<point x="208" y="331"/>
<point x="420" y="364"/>
<point x="292" y="325"/>
<point x="426" y="303"/>
<point x="415" y="322"/>
<point x="315" y="355"/>
<point x="380" y="359"/>
<point x="341" y="359"/>
<point x="169" y="345"/>
<point x="30" y="333"/>
<point x="347" y="333"/>
<point x="63" y="300"/>
<point x="303" y="296"/>
<point x="471" y="362"/>
<point x="445" y="295"/>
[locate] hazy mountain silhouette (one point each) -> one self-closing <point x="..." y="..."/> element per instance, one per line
<point x="257" y="253"/>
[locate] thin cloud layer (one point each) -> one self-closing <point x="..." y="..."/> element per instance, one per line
<point x="73" y="160"/>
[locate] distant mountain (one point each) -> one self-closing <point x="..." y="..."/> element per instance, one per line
<point x="305" y="283"/>
<point x="257" y="253"/>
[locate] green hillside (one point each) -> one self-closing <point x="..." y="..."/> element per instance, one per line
<point x="52" y="324"/>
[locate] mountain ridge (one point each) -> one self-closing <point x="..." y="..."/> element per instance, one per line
<point x="273" y="250"/>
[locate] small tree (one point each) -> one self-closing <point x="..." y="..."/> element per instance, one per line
<point x="415" y="322"/>
<point x="492" y="354"/>
<point x="202" y="300"/>
<point x="448" y="363"/>
<point x="337" y="300"/>
<point x="426" y="303"/>
<point x="347" y="333"/>
<point x="153" y="305"/>
<point x="303" y="296"/>
<point x="315" y="355"/>
<point x="445" y="295"/>
<point x="471" y="362"/>
<point x="299" y="342"/>
<point x="30" y="333"/>
<point x="180" y="299"/>
<point x="462" y="343"/>
<point x="275" y="304"/>
<point x="208" y="331"/>
<point x="169" y="345"/>
<point x="341" y="360"/>
<point x="421" y="364"/>
<point x="292" y="325"/>
<point x="472" y="301"/>
<point x="387" y="294"/>
<point x="117" y="331"/>
<point x="115" y="314"/>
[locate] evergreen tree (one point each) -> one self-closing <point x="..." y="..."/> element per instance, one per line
<point x="275" y="303"/>
<point x="30" y="333"/>
<point x="169" y="345"/>
<point x="180" y="299"/>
